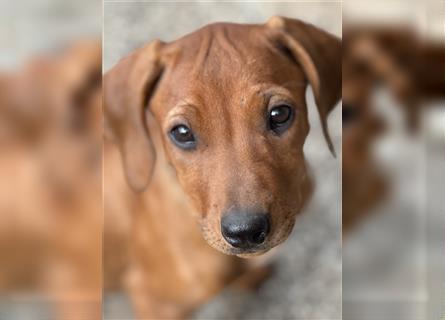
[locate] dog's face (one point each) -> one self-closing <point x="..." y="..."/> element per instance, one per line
<point x="48" y="97"/>
<point x="363" y="184"/>
<point x="51" y="107"/>
<point x="362" y="125"/>
<point x="234" y="122"/>
<point x="230" y="103"/>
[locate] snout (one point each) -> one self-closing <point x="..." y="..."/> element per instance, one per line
<point x="245" y="230"/>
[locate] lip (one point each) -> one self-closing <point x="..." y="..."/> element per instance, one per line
<point x="251" y="254"/>
<point x="246" y="253"/>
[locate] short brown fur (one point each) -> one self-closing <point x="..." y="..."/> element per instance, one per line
<point x="220" y="80"/>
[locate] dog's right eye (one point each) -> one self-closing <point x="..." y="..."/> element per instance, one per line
<point x="280" y="118"/>
<point x="183" y="137"/>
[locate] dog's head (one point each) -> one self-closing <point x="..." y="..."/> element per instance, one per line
<point x="51" y="107"/>
<point x="52" y="95"/>
<point x="230" y="101"/>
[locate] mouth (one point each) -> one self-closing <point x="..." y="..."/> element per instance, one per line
<point x="250" y="253"/>
<point x="219" y="244"/>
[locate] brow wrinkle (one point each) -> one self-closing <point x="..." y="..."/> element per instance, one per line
<point x="203" y="53"/>
<point x="228" y="45"/>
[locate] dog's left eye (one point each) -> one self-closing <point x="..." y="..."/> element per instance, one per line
<point x="280" y="118"/>
<point x="183" y="137"/>
<point x="350" y="114"/>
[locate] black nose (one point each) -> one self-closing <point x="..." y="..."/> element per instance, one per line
<point x="245" y="230"/>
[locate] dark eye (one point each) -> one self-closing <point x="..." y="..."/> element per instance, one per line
<point x="183" y="137"/>
<point x="280" y="118"/>
<point x="350" y="114"/>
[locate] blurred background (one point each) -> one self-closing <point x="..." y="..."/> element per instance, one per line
<point x="393" y="160"/>
<point x="50" y="159"/>
<point x="307" y="281"/>
<point x="393" y="168"/>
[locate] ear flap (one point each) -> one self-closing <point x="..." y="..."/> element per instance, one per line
<point x="319" y="54"/>
<point x="127" y="90"/>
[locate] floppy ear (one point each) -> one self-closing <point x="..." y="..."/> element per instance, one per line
<point x="128" y="87"/>
<point x="319" y="54"/>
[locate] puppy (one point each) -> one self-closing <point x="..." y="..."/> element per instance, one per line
<point x="209" y="129"/>
<point x="50" y="194"/>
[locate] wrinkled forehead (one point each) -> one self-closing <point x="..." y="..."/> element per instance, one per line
<point x="223" y="61"/>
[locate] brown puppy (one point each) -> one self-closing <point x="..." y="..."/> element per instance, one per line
<point x="412" y="69"/>
<point x="228" y="121"/>
<point x="50" y="192"/>
<point x="363" y="184"/>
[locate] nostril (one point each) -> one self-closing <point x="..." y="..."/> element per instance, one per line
<point x="258" y="237"/>
<point x="234" y="242"/>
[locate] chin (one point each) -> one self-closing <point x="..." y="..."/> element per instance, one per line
<point x="249" y="253"/>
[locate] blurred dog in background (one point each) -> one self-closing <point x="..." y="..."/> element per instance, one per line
<point x="413" y="70"/>
<point x="50" y="191"/>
